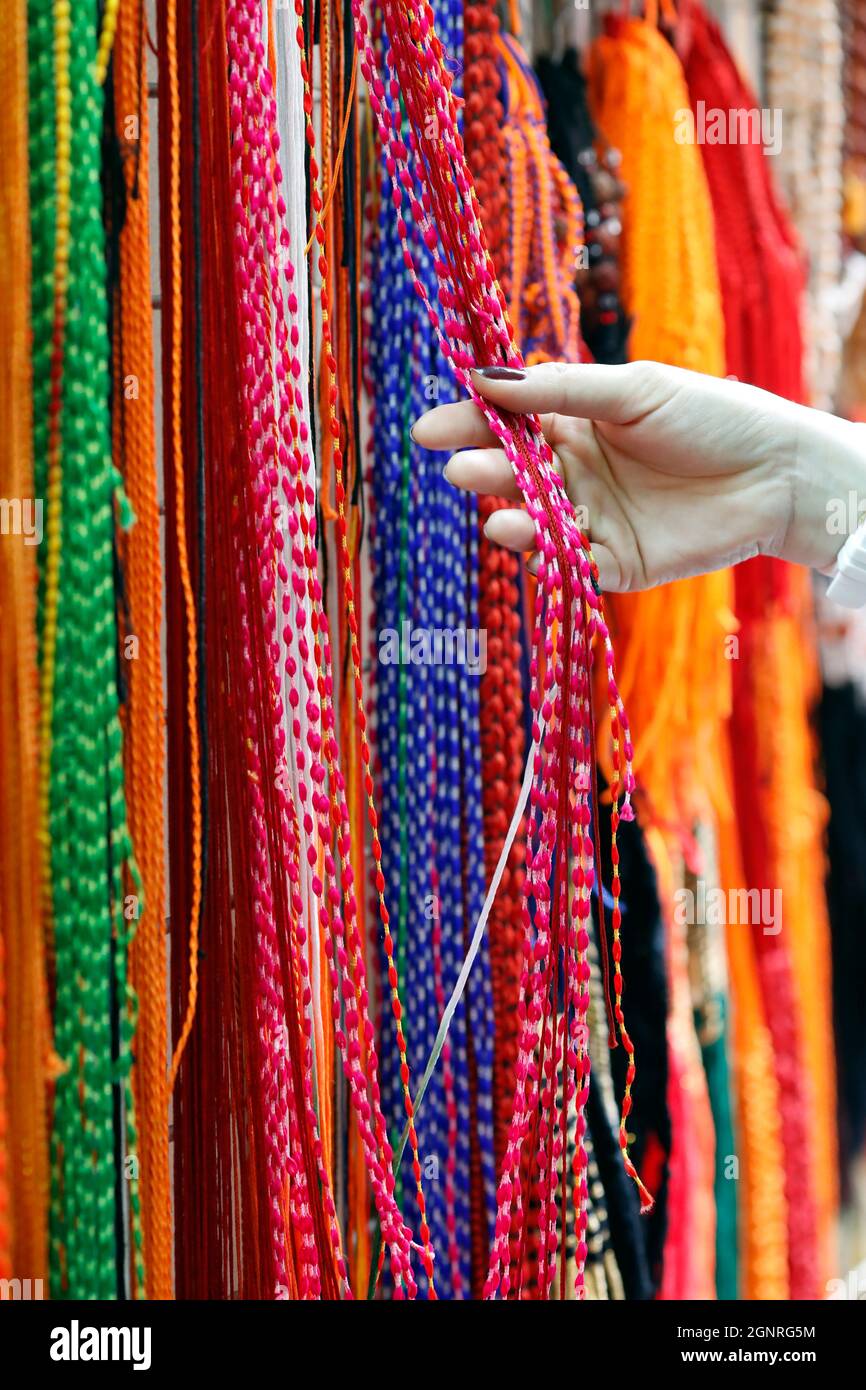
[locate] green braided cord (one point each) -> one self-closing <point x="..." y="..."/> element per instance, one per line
<point x="715" y="1059"/>
<point x="91" y="851"/>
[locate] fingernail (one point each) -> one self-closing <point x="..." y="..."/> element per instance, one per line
<point x="501" y="373"/>
<point x="412" y="433"/>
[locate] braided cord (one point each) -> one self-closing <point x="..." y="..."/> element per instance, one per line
<point x="176" y="419"/>
<point x="90" y="847"/>
<point x="135" y="448"/>
<point x="24" y="1025"/>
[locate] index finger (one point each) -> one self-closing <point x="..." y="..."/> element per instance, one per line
<point x="457" y="426"/>
<point x="462" y="426"/>
<point x="619" y="395"/>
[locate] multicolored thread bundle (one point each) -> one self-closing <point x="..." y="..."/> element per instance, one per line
<point x="289" y="744"/>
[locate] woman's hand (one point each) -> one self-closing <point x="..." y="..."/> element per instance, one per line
<point x="678" y="473"/>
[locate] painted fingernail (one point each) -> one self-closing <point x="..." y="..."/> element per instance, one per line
<point x="501" y="373"/>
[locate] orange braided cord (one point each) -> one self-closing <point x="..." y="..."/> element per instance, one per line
<point x="135" y="448"/>
<point x="5" y="1204"/>
<point x="25" y="1029"/>
<point x="674" y="677"/>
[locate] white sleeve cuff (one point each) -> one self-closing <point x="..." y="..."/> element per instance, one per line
<point x="848" y="586"/>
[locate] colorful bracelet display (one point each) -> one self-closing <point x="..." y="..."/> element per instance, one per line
<point x="287" y="740"/>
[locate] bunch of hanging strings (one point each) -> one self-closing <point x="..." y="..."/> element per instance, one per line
<point x="780" y="817"/>
<point x="670" y="640"/>
<point x="25" y="1037"/>
<point x="677" y="689"/>
<point x="217" y="1096"/>
<point x="429" y="752"/>
<point x="342" y="223"/>
<point x="266" y="884"/>
<point x="83" y="987"/>
<point x="126" y="181"/>
<point x="431" y="181"/>
<point x="721" y="241"/>
<point x="92" y="898"/>
<point x="499" y="587"/>
<point x="546" y="222"/>
<point x="539" y="256"/>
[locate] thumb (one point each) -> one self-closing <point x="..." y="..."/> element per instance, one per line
<point x="589" y="390"/>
